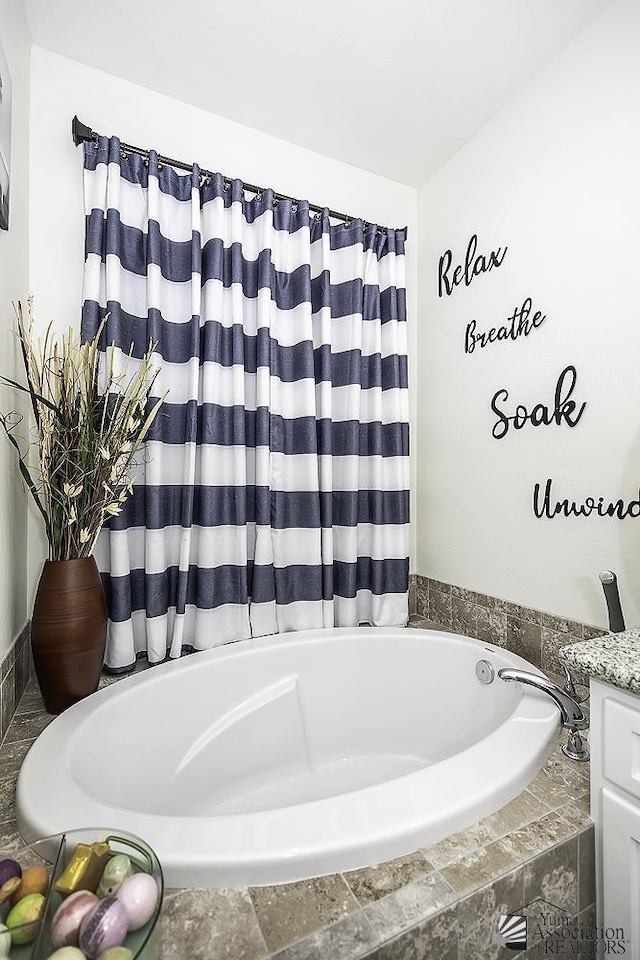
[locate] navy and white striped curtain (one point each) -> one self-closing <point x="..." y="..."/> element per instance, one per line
<point x="274" y="494"/>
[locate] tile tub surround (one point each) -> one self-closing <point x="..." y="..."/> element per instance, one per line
<point x="440" y="902"/>
<point x="15" y="670"/>
<point x="532" y="634"/>
<point x="613" y="658"/>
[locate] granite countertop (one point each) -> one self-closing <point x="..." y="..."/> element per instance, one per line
<point x="614" y="658"/>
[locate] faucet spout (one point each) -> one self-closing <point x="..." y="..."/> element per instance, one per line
<point x="571" y="715"/>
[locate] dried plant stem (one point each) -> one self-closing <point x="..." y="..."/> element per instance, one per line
<point x="88" y="432"/>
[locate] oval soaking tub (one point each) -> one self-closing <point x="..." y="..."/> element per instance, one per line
<point x="292" y="756"/>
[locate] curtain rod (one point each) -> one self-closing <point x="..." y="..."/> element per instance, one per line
<point x="81" y="133"/>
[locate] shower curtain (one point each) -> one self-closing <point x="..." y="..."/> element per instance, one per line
<point x="273" y="495"/>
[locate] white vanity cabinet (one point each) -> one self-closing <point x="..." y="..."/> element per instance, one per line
<point x="615" y="808"/>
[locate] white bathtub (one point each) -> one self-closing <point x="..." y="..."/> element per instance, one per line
<point x="292" y="756"/>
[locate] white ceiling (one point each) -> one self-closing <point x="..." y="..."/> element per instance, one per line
<point x="391" y="86"/>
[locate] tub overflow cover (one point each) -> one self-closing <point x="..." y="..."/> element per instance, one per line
<point x="484" y="671"/>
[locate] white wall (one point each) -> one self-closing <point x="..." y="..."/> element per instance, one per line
<point x="13" y="285"/>
<point x="61" y="88"/>
<point x="554" y="177"/>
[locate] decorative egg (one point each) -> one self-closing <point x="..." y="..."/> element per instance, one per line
<point x="9" y="868"/>
<point x="103" y="927"/>
<point x="5" y="941"/>
<point x="117" y="870"/>
<point x="34" y="880"/>
<point x="65" y="925"/>
<point x="67" y="953"/>
<point x="22" y="920"/>
<point x="117" y="953"/>
<point x="8" y="888"/>
<point x="139" y="894"/>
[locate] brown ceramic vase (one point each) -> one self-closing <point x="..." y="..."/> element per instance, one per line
<point x="68" y="631"/>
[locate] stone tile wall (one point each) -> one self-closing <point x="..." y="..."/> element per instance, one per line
<point x="532" y="634"/>
<point x="558" y="882"/>
<point x="15" y="670"/>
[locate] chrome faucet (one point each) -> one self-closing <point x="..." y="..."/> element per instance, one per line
<point x="571" y="715"/>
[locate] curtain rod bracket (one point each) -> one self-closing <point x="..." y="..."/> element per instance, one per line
<point x="81" y="133"/>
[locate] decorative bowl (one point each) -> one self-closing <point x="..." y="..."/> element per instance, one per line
<point x="55" y="853"/>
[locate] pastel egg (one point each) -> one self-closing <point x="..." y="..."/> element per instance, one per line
<point x="103" y="927"/>
<point x="34" y="880"/>
<point x="8" y="888"/>
<point x="117" y="870"/>
<point x="67" y="953"/>
<point x="9" y="868"/>
<point x="5" y="941"/>
<point x="65" y="925"/>
<point x="117" y="953"/>
<point x="22" y="919"/>
<point x="139" y="894"/>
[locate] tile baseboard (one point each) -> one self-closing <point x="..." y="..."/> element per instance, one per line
<point x="15" y="670"/>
